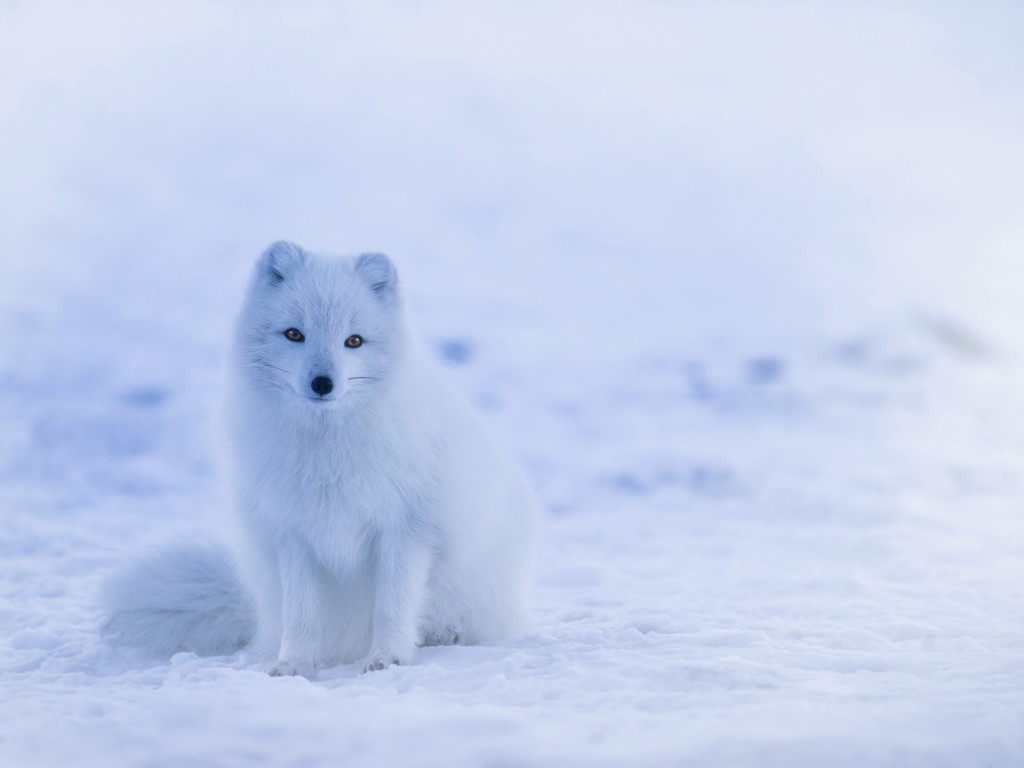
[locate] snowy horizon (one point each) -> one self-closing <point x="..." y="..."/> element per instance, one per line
<point x="737" y="284"/>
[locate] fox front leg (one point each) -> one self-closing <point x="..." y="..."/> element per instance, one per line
<point x="401" y="578"/>
<point x="301" y="619"/>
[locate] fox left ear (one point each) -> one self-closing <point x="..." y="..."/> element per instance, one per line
<point x="379" y="273"/>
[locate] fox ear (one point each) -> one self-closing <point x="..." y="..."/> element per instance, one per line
<point x="280" y="260"/>
<point x="378" y="272"/>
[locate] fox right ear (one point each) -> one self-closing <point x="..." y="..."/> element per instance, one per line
<point x="280" y="260"/>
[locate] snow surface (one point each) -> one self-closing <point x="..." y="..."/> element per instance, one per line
<point x="739" y="284"/>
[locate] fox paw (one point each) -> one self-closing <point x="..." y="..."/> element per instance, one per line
<point x="381" y="660"/>
<point x="447" y="636"/>
<point x="284" y="668"/>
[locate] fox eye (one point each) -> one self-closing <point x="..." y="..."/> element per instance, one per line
<point x="294" y="334"/>
<point x="354" y="341"/>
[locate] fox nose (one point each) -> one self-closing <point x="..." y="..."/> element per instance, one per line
<point x="322" y="385"/>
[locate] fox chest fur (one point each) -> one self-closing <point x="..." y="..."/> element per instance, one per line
<point x="357" y="482"/>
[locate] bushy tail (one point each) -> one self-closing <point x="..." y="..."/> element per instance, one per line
<point x="185" y="597"/>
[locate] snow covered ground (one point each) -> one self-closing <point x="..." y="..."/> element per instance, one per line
<point x="739" y="284"/>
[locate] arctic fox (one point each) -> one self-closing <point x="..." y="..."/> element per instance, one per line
<point x="375" y="514"/>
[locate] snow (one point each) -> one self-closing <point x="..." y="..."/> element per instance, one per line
<point x="738" y="284"/>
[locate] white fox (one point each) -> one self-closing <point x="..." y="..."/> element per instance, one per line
<point x="375" y="514"/>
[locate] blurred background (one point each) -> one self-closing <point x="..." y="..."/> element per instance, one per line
<point x="692" y="175"/>
<point x="609" y="217"/>
<point x="578" y="194"/>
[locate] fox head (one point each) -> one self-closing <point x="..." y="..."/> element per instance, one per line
<point x="320" y="331"/>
